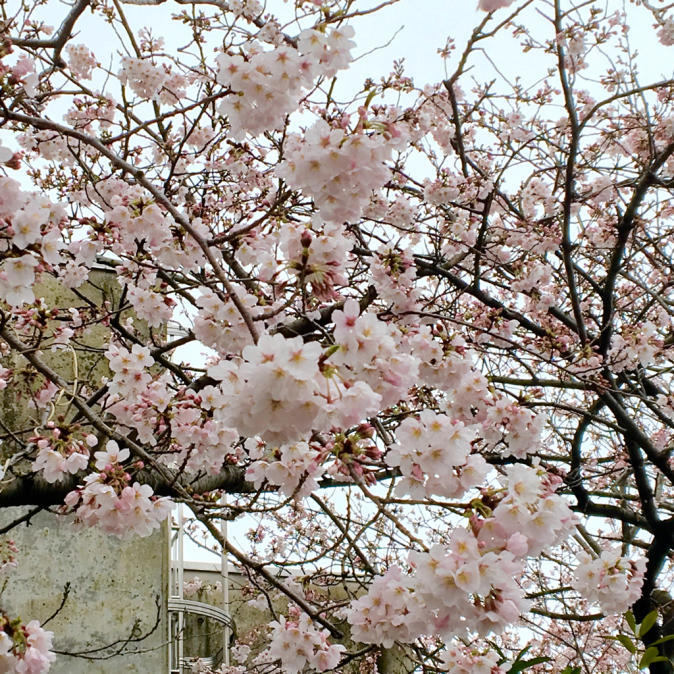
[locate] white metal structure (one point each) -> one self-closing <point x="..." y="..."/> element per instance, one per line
<point x="178" y="606"/>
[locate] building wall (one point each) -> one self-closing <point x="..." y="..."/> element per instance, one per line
<point x="117" y="593"/>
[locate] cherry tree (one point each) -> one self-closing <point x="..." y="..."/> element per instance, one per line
<point x="419" y="333"/>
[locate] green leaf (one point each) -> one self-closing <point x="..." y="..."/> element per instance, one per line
<point x="518" y="657"/>
<point x="495" y="646"/>
<point x="651" y="654"/>
<point x="570" y="670"/>
<point x="625" y="641"/>
<point x="521" y="665"/>
<point x="647" y="623"/>
<point x="629" y="619"/>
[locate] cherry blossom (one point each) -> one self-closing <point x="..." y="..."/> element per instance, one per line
<point x="296" y="643"/>
<point x="464" y="660"/>
<point x="493" y="5"/>
<point x="81" y="61"/>
<point x="429" y="449"/>
<point x="610" y="580"/>
<point x="25" y="649"/>
<point x="17" y="276"/>
<point x="143" y="77"/>
<point x="109" y="500"/>
<point x="337" y="170"/>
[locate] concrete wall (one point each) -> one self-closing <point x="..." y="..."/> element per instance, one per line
<point x="117" y="593"/>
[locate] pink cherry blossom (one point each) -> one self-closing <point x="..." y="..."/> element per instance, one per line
<point x="493" y="5"/>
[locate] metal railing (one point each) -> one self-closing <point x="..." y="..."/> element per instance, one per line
<point x="178" y="606"/>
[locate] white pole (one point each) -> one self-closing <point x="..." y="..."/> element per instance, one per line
<point x="171" y="589"/>
<point x="224" y="571"/>
<point x="179" y="578"/>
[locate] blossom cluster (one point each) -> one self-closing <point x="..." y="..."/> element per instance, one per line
<point x="371" y="350"/>
<point x="196" y="585"/>
<point x="504" y="425"/>
<point x="274" y="392"/>
<point x="144" y="411"/>
<point x="666" y="32"/>
<point x="61" y="452"/>
<point x="330" y="49"/>
<point x="634" y="347"/>
<point x="17" y="279"/>
<point x="612" y="581"/>
<point x="220" y="325"/>
<point x="132" y="222"/>
<point x="297" y="643"/>
<point x="471" y="585"/>
<point x="512" y="429"/>
<point x="461" y="659"/>
<point x="109" y="501"/>
<point x="153" y="307"/>
<point x="383" y="615"/>
<point x="24" y="73"/>
<point x="317" y="253"/>
<point x="24" y="649"/>
<point x="337" y="169"/>
<point x="283" y="388"/>
<point x="530" y="512"/>
<point x="287" y="467"/>
<point x="393" y="274"/>
<point x="202" y="436"/>
<point x="130" y="375"/>
<point x="81" y="61"/>
<point x="30" y="227"/>
<point x="143" y="76"/>
<point x="50" y="146"/>
<point x="267" y="86"/>
<point x="202" y="440"/>
<point x="434" y="456"/>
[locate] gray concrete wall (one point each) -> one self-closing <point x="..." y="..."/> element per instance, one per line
<point x="117" y="593"/>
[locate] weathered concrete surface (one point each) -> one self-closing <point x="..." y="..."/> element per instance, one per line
<point x="117" y="593"/>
